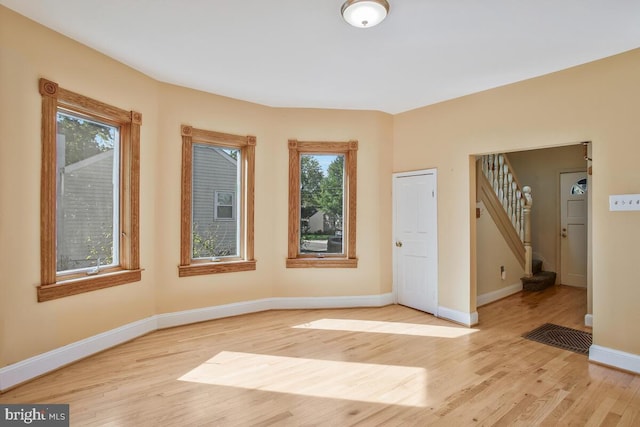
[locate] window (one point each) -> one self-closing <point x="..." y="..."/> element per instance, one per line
<point x="579" y="187"/>
<point x="225" y="205"/>
<point x="217" y="202"/>
<point x="89" y="194"/>
<point x="322" y="204"/>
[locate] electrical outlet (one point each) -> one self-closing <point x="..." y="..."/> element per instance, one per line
<point x="624" y="202"/>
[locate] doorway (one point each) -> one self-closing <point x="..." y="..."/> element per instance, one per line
<point x="541" y="170"/>
<point x="415" y="227"/>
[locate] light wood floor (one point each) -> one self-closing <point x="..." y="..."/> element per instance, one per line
<point x="390" y="366"/>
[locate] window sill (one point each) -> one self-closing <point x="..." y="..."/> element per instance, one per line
<point x="65" y="288"/>
<point x="322" y="263"/>
<point x="215" y="268"/>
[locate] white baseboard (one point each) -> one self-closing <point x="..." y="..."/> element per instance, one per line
<point x="588" y="320"/>
<point x="467" y="319"/>
<point x="333" y="302"/>
<point x="217" y="312"/>
<point x="499" y="294"/>
<point x="33" y="367"/>
<point x="615" y="358"/>
<point x="186" y="317"/>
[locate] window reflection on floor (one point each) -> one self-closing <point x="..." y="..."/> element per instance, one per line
<point x="381" y="327"/>
<point x="387" y="384"/>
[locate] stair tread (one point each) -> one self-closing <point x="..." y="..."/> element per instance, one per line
<point x="540" y="276"/>
<point x="539" y="281"/>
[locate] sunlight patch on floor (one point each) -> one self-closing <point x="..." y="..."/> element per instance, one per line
<point x="381" y="327"/>
<point x="385" y="384"/>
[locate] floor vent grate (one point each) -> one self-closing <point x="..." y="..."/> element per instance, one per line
<point x="561" y="337"/>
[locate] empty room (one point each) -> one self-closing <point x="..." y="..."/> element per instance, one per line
<point x="319" y="212"/>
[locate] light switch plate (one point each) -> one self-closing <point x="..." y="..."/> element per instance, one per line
<point x="624" y="202"/>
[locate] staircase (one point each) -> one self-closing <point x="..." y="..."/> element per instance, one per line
<point x="509" y="204"/>
<point x="540" y="279"/>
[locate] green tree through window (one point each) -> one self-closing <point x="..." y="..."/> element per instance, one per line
<point x="83" y="138"/>
<point x="331" y="193"/>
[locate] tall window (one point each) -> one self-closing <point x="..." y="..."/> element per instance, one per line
<point x="87" y="194"/>
<point x="217" y="202"/>
<point x="322" y="204"/>
<point x="90" y="190"/>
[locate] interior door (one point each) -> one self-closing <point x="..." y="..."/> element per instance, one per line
<point x="573" y="228"/>
<point x="415" y="240"/>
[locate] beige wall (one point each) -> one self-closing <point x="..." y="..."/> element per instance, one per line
<point x="597" y="102"/>
<point x="540" y="169"/>
<point x="29" y="51"/>
<point x="496" y="254"/>
<point x="273" y="128"/>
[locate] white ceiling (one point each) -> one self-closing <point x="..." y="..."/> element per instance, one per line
<point x="300" y="53"/>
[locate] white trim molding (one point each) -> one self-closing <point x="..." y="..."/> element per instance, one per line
<point x="333" y="302"/>
<point x="615" y="358"/>
<point x="588" y="320"/>
<point x="41" y="364"/>
<point x="499" y="294"/>
<point x="186" y="317"/>
<point x="467" y="319"/>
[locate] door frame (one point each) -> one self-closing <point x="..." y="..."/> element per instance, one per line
<point x="394" y="176"/>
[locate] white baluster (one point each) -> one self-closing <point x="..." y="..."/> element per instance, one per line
<point x="512" y="206"/>
<point x="519" y="213"/>
<point x="522" y="202"/>
<point x="509" y="191"/>
<point x="500" y="190"/>
<point x="496" y="174"/>
<point x="505" y="186"/>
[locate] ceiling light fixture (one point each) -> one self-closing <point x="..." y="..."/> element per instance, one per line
<point x="365" y="13"/>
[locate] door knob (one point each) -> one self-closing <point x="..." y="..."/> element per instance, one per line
<point x="398" y="244"/>
<point x="564" y="232"/>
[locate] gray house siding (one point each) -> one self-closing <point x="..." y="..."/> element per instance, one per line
<point x="85" y="199"/>
<point x="214" y="171"/>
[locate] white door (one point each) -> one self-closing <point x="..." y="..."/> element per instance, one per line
<point x="415" y="240"/>
<point x="573" y="228"/>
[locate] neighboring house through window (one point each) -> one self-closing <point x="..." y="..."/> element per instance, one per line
<point x="217" y="202"/>
<point x="89" y="194"/>
<point x="322" y="204"/>
<point x="225" y="205"/>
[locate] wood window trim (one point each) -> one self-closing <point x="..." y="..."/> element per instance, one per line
<point x="350" y="150"/>
<point x="54" y="285"/>
<point x="247" y="145"/>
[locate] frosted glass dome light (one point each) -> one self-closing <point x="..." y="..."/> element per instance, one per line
<point x="365" y="13"/>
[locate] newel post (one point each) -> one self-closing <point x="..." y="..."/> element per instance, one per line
<point x="526" y="210"/>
